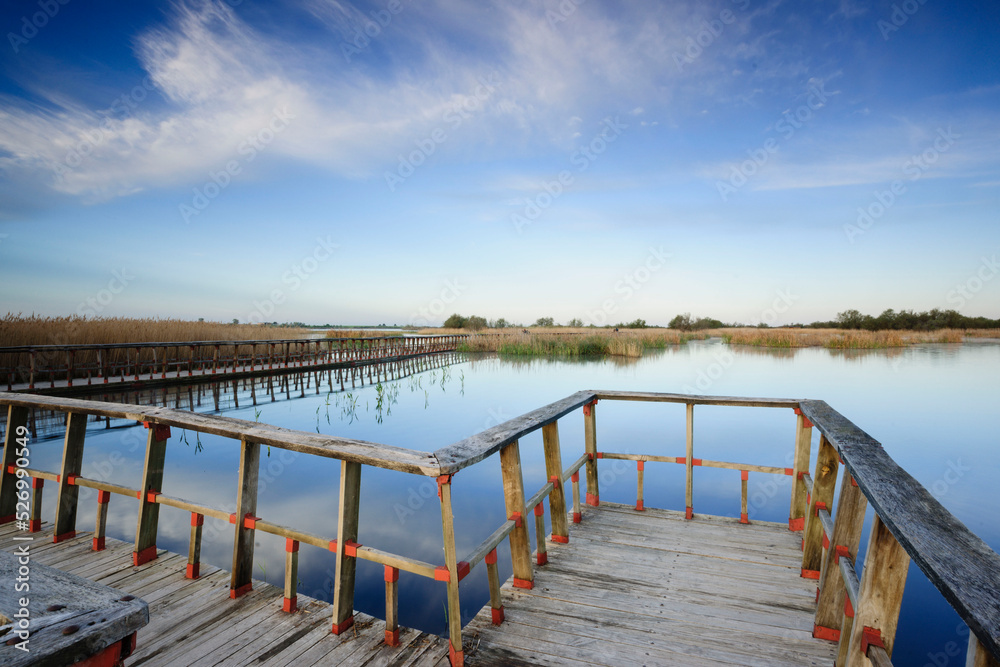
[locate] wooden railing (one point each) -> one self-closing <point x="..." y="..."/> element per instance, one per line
<point x="861" y="614"/>
<point x="99" y="363"/>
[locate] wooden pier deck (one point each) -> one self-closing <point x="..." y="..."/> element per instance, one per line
<point x="710" y="591"/>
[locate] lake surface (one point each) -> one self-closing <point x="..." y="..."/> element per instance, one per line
<point x="930" y="406"/>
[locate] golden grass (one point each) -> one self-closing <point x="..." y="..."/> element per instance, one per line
<point x="582" y="342"/>
<point x="839" y="339"/>
<point x="982" y="333"/>
<point x="359" y="333"/>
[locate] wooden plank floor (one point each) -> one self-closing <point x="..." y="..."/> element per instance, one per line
<point x="193" y="622"/>
<point x="649" y="588"/>
<point x="630" y="588"/>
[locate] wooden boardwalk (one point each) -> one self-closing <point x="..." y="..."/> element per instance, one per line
<point x="649" y="588"/>
<point x="630" y="588"/>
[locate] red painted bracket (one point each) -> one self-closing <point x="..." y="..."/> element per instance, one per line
<point x="333" y="546"/>
<point x="790" y="472"/>
<point x="250" y="521"/>
<point x="593" y="499"/>
<point x="491" y="558"/>
<point x="682" y="460"/>
<point x="193" y="571"/>
<point x="498" y="615"/>
<point x="841" y="551"/>
<point x="291" y="546"/>
<point x="848" y="607"/>
<point x="826" y="541"/>
<point x="391" y="574"/>
<point x="65" y="536"/>
<point x="689" y="513"/>
<point x="560" y="539"/>
<point x="160" y="431"/>
<point x="640" y="465"/>
<point x="342" y="627"/>
<point x="232" y="519"/>
<point x="457" y="658"/>
<point x="98" y="544"/>
<point x="744" y="518"/>
<point x="870" y="637"/>
<point x="71" y="479"/>
<point x="142" y="557"/>
<point x="103" y="497"/>
<point x="197" y="519"/>
<point x="575" y="477"/>
<point x="523" y="583"/>
<point x="820" y="505"/>
<point x="241" y="591"/>
<point x="539" y="510"/>
<point x="392" y="637"/>
<point x="37" y="483"/>
<point x="599" y="455"/>
<point x="151" y="496"/>
<point x="441" y="481"/>
<point x="588" y="408"/>
<point x="576" y="517"/>
<point x="290" y="605"/>
<point x="555" y="481"/>
<point x="516" y="518"/>
<point x="34" y="525"/>
<point x="810" y="574"/>
<point x="828" y="634"/>
<point x="441" y="572"/>
<point x="351" y="548"/>
<point x="541" y="558"/>
<point x="639" y="506"/>
<point x="805" y="420"/>
<point x="745" y="475"/>
<point x="854" y="482"/>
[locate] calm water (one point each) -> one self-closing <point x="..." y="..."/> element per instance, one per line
<point x="930" y="406"/>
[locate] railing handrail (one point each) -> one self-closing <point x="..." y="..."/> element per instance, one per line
<point x="199" y="343"/>
<point x="347" y="449"/>
<point x="957" y="561"/>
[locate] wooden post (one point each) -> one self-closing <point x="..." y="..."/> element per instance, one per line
<point x="17" y="428"/>
<point x="451" y="564"/>
<point x="590" y="447"/>
<point x="689" y="464"/>
<point x="575" y="479"/>
<point x="847" y="525"/>
<point x="493" y="577"/>
<point x="744" y="481"/>
<point x="513" y="493"/>
<point x="347" y="535"/>
<point x="152" y="482"/>
<point x="291" y="600"/>
<point x="194" y="546"/>
<point x="391" y="606"/>
<point x="72" y="463"/>
<point x="824" y="484"/>
<point x="241" y="580"/>
<point x="978" y="656"/>
<point x="35" y="518"/>
<point x="803" y="447"/>
<point x="554" y="471"/>
<point x="101" y="524"/>
<point x="882" y="584"/>
<point x="640" y="470"/>
<point x="541" y="552"/>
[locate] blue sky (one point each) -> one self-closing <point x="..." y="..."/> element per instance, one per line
<point x="366" y="162"/>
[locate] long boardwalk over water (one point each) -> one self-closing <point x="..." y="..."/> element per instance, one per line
<point x="609" y="585"/>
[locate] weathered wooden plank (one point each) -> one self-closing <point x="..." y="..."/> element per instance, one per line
<point x="71" y="619"/>
<point x="246" y="507"/>
<point x="152" y="482"/>
<point x="474" y="449"/>
<point x="824" y="485"/>
<point x="451" y="564"/>
<point x="692" y="399"/>
<point x="845" y="536"/>
<point x="347" y="531"/>
<point x="800" y="467"/>
<point x="962" y="567"/>
<point x="72" y="463"/>
<point x="513" y="493"/>
<point x="17" y="420"/>
<point x="590" y="450"/>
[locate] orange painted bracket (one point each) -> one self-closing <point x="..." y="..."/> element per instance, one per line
<point x="291" y="546"/>
<point x="498" y="615"/>
<point x="142" y="557"/>
<point x="810" y="574"/>
<point x="870" y="637"/>
<point x="391" y="574"/>
<point x="560" y="539"/>
<point x="491" y="558"/>
<point x="103" y="497"/>
<point x="241" y="591"/>
<point x="290" y="605"/>
<point x="689" y="513"/>
<point x="575" y="477"/>
<point x="745" y="475"/>
<point x="593" y="499"/>
<point x="523" y="583"/>
<point x="828" y="634"/>
<point x="640" y="465"/>
<point x="848" y="607"/>
<point x="441" y="481"/>
<point x="342" y="627"/>
<point x="539" y="510"/>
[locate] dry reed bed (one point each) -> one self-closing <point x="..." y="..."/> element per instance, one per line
<point x="18" y="330"/>
<point x="588" y="342"/>
<point x="852" y="339"/>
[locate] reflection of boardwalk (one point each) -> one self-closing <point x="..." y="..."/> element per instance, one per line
<point x="193" y="621"/>
<point x="704" y="592"/>
<point x="230" y="393"/>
